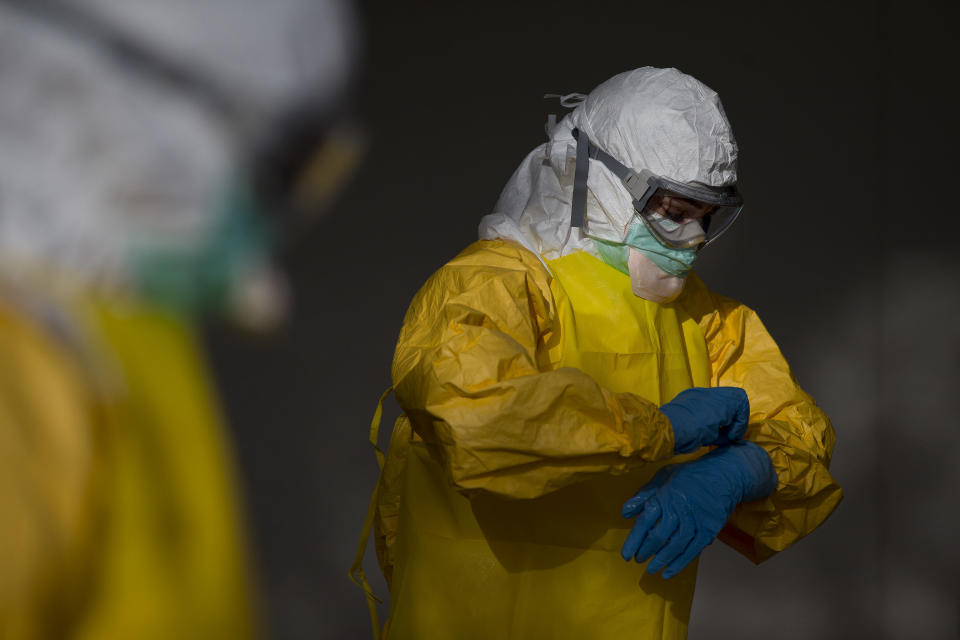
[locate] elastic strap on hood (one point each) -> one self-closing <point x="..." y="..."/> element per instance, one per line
<point x="579" y="203"/>
<point x="586" y="150"/>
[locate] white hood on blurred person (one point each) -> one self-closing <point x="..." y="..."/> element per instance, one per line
<point x="661" y="120"/>
<point x="267" y="54"/>
<point x="95" y="160"/>
<point x="113" y="180"/>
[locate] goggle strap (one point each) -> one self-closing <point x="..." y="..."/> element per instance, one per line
<point x="618" y="169"/>
<point x="579" y="203"/>
<point x="585" y="150"/>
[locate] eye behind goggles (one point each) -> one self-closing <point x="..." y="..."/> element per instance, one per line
<point x="680" y="215"/>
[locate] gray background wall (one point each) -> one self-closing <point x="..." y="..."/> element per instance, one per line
<point x="845" y="114"/>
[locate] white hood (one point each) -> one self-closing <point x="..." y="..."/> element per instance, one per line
<point x="661" y="120"/>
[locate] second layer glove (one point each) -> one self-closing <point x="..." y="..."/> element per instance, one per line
<point x="685" y="506"/>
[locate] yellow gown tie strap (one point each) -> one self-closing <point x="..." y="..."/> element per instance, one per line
<point x="356" y="569"/>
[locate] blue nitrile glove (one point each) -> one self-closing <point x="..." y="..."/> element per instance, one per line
<point x="702" y="416"/>
<point x="685" y="506"/>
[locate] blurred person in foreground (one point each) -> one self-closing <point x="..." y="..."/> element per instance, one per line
<point x="580" y="413"/>
<point x="141" y="145"/>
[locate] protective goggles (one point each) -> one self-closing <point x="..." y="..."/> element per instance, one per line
<point x="679" y="215"/>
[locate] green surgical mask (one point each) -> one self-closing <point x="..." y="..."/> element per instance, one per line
<point x="198" y="278"/>
<point x="676" y="262"/>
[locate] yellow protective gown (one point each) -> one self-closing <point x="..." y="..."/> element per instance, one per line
<point x="530" y="415"/>
<point x="120" y="514"/>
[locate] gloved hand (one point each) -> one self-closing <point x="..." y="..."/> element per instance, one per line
<point x="702" y="416"/>
<point x="683" y="508"/>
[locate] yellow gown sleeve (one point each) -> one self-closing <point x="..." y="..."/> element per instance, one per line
<point x="784" y="420"/>
<point x="119" y="518"/>
<point x="173" y="559"/>
<point x="471" y="370"/>
<point x="48" y="427"/>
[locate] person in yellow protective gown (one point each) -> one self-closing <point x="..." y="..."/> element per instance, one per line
<point x="536" y="371"/>
<point x="118" y="491"/>
<point x="138" y="155"/>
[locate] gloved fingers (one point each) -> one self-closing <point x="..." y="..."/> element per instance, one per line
<point x="657" y="536"/>
<point x="634" y="505"/>
<point x="647" y="518"/>
<point x="723" y="441"/>
<point x="738" y="404"/>
<point x="678" y="543"/>
<point x="698" y="544"/>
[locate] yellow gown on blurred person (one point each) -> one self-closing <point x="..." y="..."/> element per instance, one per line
<point x="121" y="519"/>
<point x="135" y="178"/>
<point x="519" y="384"/>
